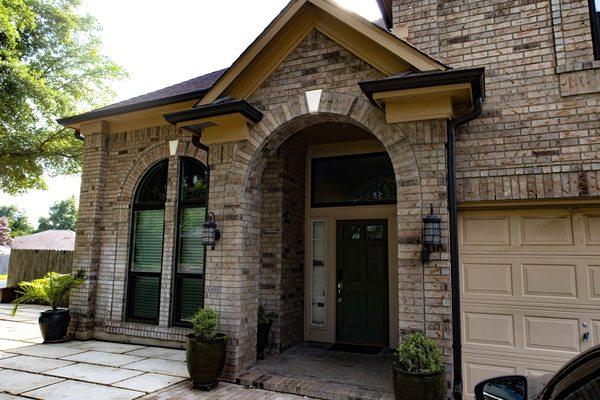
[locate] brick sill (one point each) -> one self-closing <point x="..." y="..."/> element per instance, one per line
<point x="578" y="66"/>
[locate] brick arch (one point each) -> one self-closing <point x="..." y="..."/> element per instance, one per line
<point x="284" y="120"/>
<point x="240" y="209"/>
<point x="150" y="156"/>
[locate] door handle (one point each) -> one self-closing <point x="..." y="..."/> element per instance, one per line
<point x="586" y="337"/>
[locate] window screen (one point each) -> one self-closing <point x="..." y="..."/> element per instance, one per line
<point x="353" y="180"/>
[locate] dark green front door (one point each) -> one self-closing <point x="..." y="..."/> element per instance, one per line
<point x="362" y="282"/>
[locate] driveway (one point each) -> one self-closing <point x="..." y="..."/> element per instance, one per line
<point x="95" y="370"/>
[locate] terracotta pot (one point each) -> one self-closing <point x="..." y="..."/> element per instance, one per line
<point x="262" y="339"/>
<point x="54" y="325"/>
<point x="418" y="386"/>
<point x="205" y="361"/>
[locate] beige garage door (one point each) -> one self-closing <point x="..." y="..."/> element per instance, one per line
<point x="530" y="287"/>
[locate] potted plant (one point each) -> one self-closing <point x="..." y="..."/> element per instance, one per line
<point x="265" y="322"/>
<point x="418" y="372"/>
<point x="50" y="290"/>
<point x="205" y="354"/>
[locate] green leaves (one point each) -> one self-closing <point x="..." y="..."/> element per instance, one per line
<point x="50" y="289"/>
<point x="420" y="354"/>
<point x="63" y="215"/>
<point x="50" y="67"/>
<point x="206" y="324"/>
<point x="17" y="221"/>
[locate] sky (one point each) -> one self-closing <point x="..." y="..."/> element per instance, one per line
<point x="161" y="45"/>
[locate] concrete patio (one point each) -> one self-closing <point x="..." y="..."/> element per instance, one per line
<point x="95" y="369"/>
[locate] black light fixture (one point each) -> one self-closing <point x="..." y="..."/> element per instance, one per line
<point x="432" y="234"/>
<point x="211" y="234"/>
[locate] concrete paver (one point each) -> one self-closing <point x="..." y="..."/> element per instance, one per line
<point x="74" y="390"/>
<point x="149" y="382"/>
<point x="16" y="382"/>
<point x="159" y="352"/>
<point x="106" y="347"/>
<point x="32" y="364"/>
<point x="93" y="373"/>
<point x="47" y="350"/>
<point x="102" y="358"/>
<point x="158" y="366"/>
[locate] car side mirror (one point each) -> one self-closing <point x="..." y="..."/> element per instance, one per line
<point x="502" y="388"/>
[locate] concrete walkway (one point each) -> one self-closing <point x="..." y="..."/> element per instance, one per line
<point x="94" y="369"/>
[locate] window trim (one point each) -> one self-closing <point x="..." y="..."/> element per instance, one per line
<point x="314" y="160"/>
<point x="148" y="206"/>
<point x="178" y="277"/>
<point x="595" y="28"/>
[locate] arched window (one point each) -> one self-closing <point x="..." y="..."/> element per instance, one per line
<point x="145" y="260"/>
<point x="189" y="268"/>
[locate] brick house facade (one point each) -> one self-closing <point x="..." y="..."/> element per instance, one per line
<point x="326" y="82"/>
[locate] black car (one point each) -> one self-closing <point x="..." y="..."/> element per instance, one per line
<point x="579" y="379"/>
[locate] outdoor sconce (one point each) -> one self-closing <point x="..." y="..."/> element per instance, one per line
<point x="432" y="234"/>
<point x="211" y="234"/>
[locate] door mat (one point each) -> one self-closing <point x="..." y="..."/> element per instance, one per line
<point x="355" y="348"/>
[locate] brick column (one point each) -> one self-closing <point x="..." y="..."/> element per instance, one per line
<point x="88" y="239"/>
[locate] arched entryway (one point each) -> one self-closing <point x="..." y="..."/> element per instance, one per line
<point x="237" y="172"/>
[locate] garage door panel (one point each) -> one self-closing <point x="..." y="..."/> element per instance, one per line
<point x="484" y="277"/>
<point x="549" y="280"/>
<point x="489" y="329"/>
<point x="530" y="281"/>
<point x="594" y="281"/>
<point x="592" y="229"/>
<point x="552" y="334"/>
<point x="485" y="231"/>
<point x="546" y="230"/>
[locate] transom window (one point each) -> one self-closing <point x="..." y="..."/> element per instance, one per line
<point x="189" y="268"/>
<point x="147" y="232"/>
<point x="353" y="180"/>
<point x="595" y="23"/>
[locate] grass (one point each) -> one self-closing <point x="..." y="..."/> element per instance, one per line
<point x="3" y="277"/>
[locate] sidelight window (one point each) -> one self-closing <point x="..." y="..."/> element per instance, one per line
<point x="318" y="264"/>
<point x="595" y="23"/>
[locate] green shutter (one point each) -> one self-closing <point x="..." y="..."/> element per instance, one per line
<point x="145" y="297"/>
<point x="191" y="297"/>
<point x="191" y="249"/>
<point x="148" y="241"/>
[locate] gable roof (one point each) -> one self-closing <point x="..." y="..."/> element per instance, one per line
<point x="47" y="240"/>
<point x="191" y="89"/>
<point x="376" y="45"/>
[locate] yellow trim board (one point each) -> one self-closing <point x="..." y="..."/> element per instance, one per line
<point x="363" y="38"/>
<point x="425" y="109"/>
<point x="221" y="129"/>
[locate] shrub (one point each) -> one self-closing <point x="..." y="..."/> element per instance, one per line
<point x="420" y="354"/>
<point x="206" y="324"/>
<point x="265" y="317"/>
<point x="50" y="289"/>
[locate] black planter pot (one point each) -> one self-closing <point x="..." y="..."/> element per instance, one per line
<point x="205" y="361"/>
<point x="54" y="325"/>
<point x="262" y="339"/>
<point x="418" y="386"/>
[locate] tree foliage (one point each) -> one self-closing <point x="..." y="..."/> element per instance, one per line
<point x="5" y="239"/>
<point x="50" y="66"/>
<point x="17" y="220"/>
<point x="62" y="215"/>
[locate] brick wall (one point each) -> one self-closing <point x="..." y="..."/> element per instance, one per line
<point x="539" y="134"/>
<point x="281" y="281"/>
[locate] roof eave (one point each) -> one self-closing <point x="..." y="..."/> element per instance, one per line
<point x="215" y="110"/>
<point x="474" y="76"/>
<point x="88" y="116"/>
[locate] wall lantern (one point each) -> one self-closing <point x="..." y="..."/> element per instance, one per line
<point x="211" y="234"/>
<point x="432" y="234"/>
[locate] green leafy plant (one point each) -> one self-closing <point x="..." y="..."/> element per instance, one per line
<point x="420" y="354"/>
<point x="206" y="323"/>
<point x="265" y="317"/>
<point x="50" y="289"/>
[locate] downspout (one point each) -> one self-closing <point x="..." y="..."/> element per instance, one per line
<point x="453" y="231"/>
<point x="79" y="136"/>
